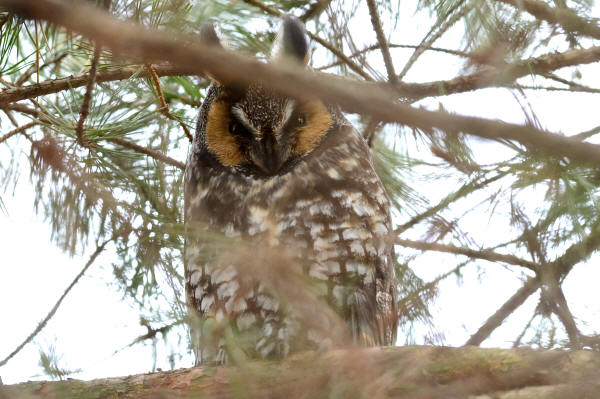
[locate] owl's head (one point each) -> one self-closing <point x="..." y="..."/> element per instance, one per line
<point x="256" y="130"/>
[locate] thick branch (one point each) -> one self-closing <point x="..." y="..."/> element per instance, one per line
<point x="54" y="86"/>
<point x="359" y="97"/>
<point x="402" y="373"/>
<point x="564" y="17"/>
<point x="505" y="310"/>
<point x="484" y="254"/>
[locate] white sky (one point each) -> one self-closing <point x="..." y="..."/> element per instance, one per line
<point x="95" y="320"/>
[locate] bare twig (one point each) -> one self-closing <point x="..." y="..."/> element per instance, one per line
<point x="315" y="10"/>
<point x="16" y="131"/>
<point x="31" y="70"/>
<point x="159" y="156"/>
<point x="426" y="43"/>
<point x="383" y="43"/>
<point x="164" y="107"/>
<point x="530" y="287"/>
<point x="353" y="96"/>
<point x="485" y="254"/>
<point x="85" y="105"/>
<point x="392" y="45"/>
<point x="50" y="314"/>
<point x="564" y="17"/>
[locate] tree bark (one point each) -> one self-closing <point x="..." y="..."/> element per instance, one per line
<point x="399" y="372"/>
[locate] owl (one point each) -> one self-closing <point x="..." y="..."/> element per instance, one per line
<point x="283" y="175"/>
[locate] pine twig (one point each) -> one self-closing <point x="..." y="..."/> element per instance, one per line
<point x="50" y="314"/>
<point x="85" y="105"/>
<point x="164" y="107"/>
<point x="16" y="131"/>
<point x="392" y="45"/>
<point x="147" y="151"/>
<point x="383" y="43"/>
<point x="564" y="17"/>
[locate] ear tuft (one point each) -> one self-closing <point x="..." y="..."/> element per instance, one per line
<point x="209" y="35"/>
<point x="291" y="42"/>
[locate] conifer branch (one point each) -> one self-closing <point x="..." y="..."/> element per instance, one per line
<point x="16" y="131"/>
<point x="383" y="44"/>
<point x="392" y="45"/>
<point x="57" y="85"/>
<point x="159" y="156"/>
<point x="164" y="107"/>
<point x="563" y="16"/>
<point x="85" y="105"/>
<point x="485" y="254"/>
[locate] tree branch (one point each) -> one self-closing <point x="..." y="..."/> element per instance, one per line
<point x="16" y="131"/>
<point x="57" y="85"/>
<point x="485" y="254"/>
<point x="143" y="150"/>
<point x="530" y="287"/>
<point x="50" y="314"/>
<point x="383" y="44"/>
<point x="85" y="105"/>
<point x="564" y="17"/>
<point x="359" y="97"/>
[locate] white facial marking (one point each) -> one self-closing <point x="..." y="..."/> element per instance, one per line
<point x="241" y="116"/>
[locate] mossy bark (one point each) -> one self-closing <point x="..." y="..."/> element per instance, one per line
<point x="401" y="372"/>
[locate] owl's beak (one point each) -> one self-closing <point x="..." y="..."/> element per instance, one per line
<point x="268" y="155"/>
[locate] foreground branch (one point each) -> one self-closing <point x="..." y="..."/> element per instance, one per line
<point x="359" y="97"/>
<point x="407" y="372"/>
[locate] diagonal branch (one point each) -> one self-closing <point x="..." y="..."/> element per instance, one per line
<point x="152" y="153"/>
<point x="87" y="96"/>
<point x="383" y="44"/>
<point x="16" y="131"/>
<point x="50" y="314"/>
<point x="564" y="17"/>
<point x="530" y="287"/>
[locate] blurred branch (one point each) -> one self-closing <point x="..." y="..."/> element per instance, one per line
<point x="359" y="97"/>
<point x="383" y="44"/>
<point x="32" y="69"/>
<point x="391" y="45"/>
<point x="52" y="312"/>
<point x="415" y="372"/>
<point x="484" y="254"/>
<point x="530" y="287"/>
<point x="315" y="10"/>
<point x="16" y="131"/>
<point x="564" y="17"/>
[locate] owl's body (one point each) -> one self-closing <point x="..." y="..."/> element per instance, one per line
<point x="289" y="175"/>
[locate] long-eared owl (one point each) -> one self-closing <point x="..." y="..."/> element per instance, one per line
<point x="284" y="174"/>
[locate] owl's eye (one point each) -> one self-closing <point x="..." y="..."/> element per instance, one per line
<point x="300" y="120"/>
<point x="235" y="128"/>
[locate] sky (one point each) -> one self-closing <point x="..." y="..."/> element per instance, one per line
<point x="95" y="320"/>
